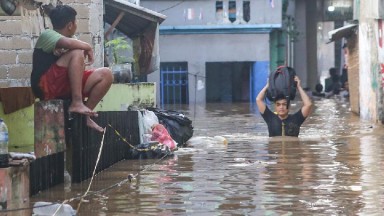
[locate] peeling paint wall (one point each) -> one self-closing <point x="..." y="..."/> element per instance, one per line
<point x="368" y="82"/>
<point x="21" y="128"/>
<point x="380" y="65"/>
<point x="371" y="58"/>
<point x="120" y="97"/>
<point x="203" y="12"/>
<point x="353" y="73"/>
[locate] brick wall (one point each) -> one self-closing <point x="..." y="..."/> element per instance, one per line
<point x="16" y="46"/>
<point x="15" y="52"/>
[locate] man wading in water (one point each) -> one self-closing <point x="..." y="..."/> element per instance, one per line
<point x="282" y="123"/>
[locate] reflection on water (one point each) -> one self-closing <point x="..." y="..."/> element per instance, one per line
<point x="335" y="167"/>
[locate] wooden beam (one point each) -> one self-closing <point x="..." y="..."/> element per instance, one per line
<point x="114" y="24"/>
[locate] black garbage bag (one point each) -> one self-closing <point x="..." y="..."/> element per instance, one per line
<point x="178" y="125"/>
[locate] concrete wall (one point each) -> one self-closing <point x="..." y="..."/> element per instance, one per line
<point x="300" y="47"/>
<point x="203" y="12"/>
<point x="353" y="73"/>
<point x="305" y="49"/>
<point x="370" y="76"/>
<point x="122" y="96"/>
<point x="310" y="80"/>
<point x="199" y="49"/>
<point x="20" y="128"/>
<point x="379" y="65"/>
<point x="16" y="45"/>
<point x="214" y="47"/>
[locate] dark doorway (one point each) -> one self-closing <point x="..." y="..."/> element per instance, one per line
<point x="228" y="81"/>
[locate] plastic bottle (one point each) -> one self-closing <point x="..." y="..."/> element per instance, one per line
<point x="3" y="198"/>
<point x="3" y="144"/>
<point x="48" y="208"/>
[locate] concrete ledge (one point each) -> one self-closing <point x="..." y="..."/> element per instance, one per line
<point x="14" y="186"/>
<point x="49" y="127"/>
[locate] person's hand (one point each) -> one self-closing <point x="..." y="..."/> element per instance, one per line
<point x="297" y="80"/>
<point x="59" y="51"/>
<point x="88" y="56"/>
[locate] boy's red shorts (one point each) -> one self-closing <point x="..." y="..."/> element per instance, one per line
<point x="55" y="83"/>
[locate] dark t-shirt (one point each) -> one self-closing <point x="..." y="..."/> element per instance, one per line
<point x="291" y="124"/>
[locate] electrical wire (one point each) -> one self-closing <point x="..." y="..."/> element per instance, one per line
<point x="175" y="5"/>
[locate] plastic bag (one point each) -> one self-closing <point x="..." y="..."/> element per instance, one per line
<point x="161" y="135"/>
<point x="178" y="125"/>
<point x="149" y="120"/>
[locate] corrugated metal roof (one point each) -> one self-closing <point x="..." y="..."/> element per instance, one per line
<point x="135" y="18"/>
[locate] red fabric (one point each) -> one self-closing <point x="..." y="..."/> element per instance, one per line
<point x="55" y="83"/>
<point x="160" y="134"/>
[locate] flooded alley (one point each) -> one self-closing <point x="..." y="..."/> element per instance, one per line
<point x="335" y="167"/>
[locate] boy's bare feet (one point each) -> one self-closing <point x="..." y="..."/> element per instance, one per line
<point x="93" y="125"/>
<point x="82" y="109"/>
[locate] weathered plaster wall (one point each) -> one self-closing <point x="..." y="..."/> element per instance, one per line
<point x="370" y="75"/>
<point x="379" y="31"/>
<point x="233" y="42"/>
<point x="21" y="128"/>
<point x="203" y="12"/>
<point x="209" y="48"/>
<point x="122" y="96"/>
<point x="353" y="73"/>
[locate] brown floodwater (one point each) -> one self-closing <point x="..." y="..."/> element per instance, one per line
<point x="335" y="167"/>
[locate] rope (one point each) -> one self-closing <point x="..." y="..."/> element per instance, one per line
<point x="94" y="170"/>
<point x="130" y="145"/>
<point x="172" y="6"/>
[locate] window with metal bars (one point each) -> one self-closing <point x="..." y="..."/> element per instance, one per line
<point x="174" y="83"/>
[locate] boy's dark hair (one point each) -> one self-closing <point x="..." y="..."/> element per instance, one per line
<point x="61" y="15"/>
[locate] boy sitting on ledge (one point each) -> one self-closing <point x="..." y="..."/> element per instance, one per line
<point x="58" y="67"/>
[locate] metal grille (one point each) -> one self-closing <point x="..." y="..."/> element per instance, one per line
<point x="46" y="172"/>
<point x="83" y="143"/>
<point x="174" y="83"/>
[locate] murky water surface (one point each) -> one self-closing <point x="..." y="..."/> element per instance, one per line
<point x="335" y="167"/>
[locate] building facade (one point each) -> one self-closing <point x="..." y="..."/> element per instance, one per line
<point x="216" y="51"/>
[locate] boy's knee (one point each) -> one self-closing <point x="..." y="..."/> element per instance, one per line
<point x="77" y="53"/>
<point x="106" y="74"/>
